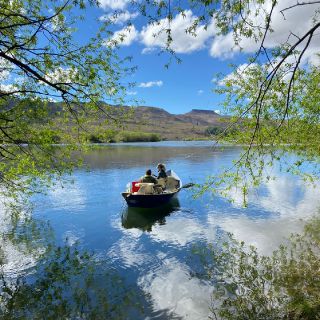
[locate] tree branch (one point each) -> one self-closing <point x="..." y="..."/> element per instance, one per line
<point x="298" y="4"/>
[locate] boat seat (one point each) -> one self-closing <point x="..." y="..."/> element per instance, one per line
<point x="145" y="188"/>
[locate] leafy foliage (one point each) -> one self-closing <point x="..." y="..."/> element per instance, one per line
<point x="214" y="131"/>
<point x="127" y="136"/>
<point x="41" y="62"/>
<point x="122" y="136"/>
<point x="51" y="85"/>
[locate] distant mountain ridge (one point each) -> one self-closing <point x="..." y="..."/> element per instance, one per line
<point x="203" y="111"/>
<point x="200" y="116"/>
<point x="190" y="125"/>
<point x="206" y="117"/>
<point x="194" y="124"/>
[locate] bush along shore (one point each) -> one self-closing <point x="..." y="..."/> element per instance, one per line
<point x="123" y="136"/>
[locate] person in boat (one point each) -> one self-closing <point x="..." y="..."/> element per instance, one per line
<point x="161" y="171"/>
<point x="148" y="178"/>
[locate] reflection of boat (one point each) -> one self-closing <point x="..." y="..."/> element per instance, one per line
<point x="148" y="195"/>
<point x="145" y="218"/>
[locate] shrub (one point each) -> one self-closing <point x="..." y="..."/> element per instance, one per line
<point x="95" y="138"/>
<point x="131" y="136"/>
<point x="213" y="131"/>
<point x="102" y="136"/>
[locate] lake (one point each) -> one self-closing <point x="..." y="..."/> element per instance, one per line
<point x="151" y="248"/>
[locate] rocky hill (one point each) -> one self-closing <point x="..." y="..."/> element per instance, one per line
<point x="191" y="125"/>
<point x="201" y="117"/>
<point x="140" y="121"/>
<point x="195" y="124"/>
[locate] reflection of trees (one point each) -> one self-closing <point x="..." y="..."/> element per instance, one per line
<point x="132" y="156"/>
<point x="248" y="285"/>
<point x="64" y="283"/>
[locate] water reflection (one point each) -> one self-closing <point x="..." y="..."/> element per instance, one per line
<point x="55" y="281"/>
<point x="133" y="156"/>
<point x="276" y="210"/>
<point x="171" y="288"/>
<point x="145" y="218"/>
<point x="151" y="247"/>
<point x="21" y="240"/>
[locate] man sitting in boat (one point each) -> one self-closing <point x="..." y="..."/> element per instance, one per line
<point x="148" y="178"/>
<point x="161" y="171"/>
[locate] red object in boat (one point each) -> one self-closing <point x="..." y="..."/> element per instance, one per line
<point x="134" y="187"/>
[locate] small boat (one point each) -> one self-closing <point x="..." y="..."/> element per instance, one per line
<point x="149" y="195"/>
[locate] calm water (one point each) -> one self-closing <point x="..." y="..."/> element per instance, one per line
<point x="151" y="248"/>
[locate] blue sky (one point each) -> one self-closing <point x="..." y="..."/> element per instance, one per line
<point x="190" y="85"/>
<point x="179" y="88"/>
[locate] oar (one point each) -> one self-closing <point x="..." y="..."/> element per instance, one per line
<point x="186" y="186"/>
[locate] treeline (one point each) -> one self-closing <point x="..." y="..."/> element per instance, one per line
<point x="111" y="136"/>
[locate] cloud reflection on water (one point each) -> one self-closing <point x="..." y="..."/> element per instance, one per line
<point x="181" y="231"/>
<point x="16" y="257"/>
<point x="290" y="201"/>
<point x="130" y="251"/>
<point x="171" y="288"/>
<point x="71" y="196"/>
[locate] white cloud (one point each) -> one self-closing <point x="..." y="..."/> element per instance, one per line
<point x="297" y="20"/>
<point x="200" y="92"/>
<point x="217" y="111"/>
<point x="5" y="68"/>
<point x="243" y="70"/>
<point x="222" y="46"/>
<point x="113" y="4"/>
<point x="7" y="87"/>
<point x="148" y="50"/>
<point x="132" y="93"/>
<point x="123" y="37"/>
<point x="154" y="35"/>
<point x="119" y="18"/>
<point x="66" y="75"/>
<point x="8" y="81"/>
<point x="150" y="84"/>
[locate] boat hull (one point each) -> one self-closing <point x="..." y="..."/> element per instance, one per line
<point x="148" y="201"/>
